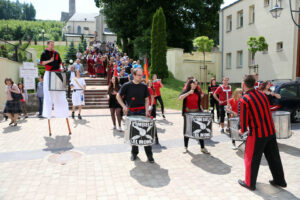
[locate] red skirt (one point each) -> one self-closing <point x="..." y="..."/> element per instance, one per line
<point x="91" y="70"/>
<point x="100" y="69"/>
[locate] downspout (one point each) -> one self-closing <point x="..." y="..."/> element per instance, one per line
<point x="222" y="71"/>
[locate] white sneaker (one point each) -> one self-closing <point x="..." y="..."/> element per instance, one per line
<point x="120" y="129"/>
<point x="234" y="147"/>
<point x="114" y="127"/>
<point x="204" y="150"/>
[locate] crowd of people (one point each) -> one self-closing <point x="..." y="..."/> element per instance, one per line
<point x="131" y="94"/>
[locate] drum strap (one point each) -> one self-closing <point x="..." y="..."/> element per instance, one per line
<point x="78" y="84"/>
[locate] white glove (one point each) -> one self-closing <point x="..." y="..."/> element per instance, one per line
<point x="150" y="107"/>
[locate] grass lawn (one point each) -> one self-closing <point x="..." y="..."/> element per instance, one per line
<point x="61" y="49"/>
<point x="171" y="91"/>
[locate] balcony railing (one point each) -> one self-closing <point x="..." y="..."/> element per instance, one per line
<point x="13" y="52"/>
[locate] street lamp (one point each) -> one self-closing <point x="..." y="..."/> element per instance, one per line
<point x="43" y="32"/>
<point x="276" y="10"/>
<point x="294" y="11"/>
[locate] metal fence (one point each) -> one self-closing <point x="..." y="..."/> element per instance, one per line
<point x="13" y="52"/>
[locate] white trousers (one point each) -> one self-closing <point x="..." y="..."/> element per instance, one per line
<point x="78" y="98"/>
<point x="55" y="99"/>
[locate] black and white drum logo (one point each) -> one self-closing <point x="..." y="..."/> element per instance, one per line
<point x="201" y="127"/>
<point x="142" y="133"/>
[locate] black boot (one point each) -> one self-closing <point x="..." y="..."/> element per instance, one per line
<point x="73" y="115"/>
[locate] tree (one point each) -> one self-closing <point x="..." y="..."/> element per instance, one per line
<point x="71" y="53"/>
<point x="185" y="18"/>
<point x="80" y="47"/>
<point x="159" y="45"/>
<point x="256" y="45"/>
<point x="204" y="44"/>
<point x="16" y="10"/>
<point x="84" y="44"/>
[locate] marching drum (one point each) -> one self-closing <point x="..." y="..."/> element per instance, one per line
<point x="57" y="81"/>
<point x="198" y="125"/>
<point x="140" y="131"/>
<point x="234" y="124"/>
<point x="282" y="123"/>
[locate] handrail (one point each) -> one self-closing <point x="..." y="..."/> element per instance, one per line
<point x="13" y="52"/>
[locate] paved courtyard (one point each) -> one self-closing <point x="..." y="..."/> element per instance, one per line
<point x="94" y="163"/>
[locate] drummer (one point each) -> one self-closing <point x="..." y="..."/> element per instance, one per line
<point x="233" y="107"/>
<point x="136" y="95"/>
<point x="255" y="115"/>
<point x="78" y="85"/>
<point x="191" y="103"/>
<point x="52" y="62"/>
<point x="224" y="91"/>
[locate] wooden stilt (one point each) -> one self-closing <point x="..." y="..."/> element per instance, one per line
<point x="49" y="127"/>
<point x="68" y="126"/>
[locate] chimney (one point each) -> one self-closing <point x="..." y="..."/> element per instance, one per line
<point x="72" y="7"/>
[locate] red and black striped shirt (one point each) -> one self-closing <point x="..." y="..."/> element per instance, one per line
<point x="255" y="113"/>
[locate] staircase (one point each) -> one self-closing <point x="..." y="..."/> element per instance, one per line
<point x="95" y="94"/>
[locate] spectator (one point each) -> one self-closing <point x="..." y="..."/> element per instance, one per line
<point x="40" y="96"/>
<point x="123" y="77"/>
<point x="70" y="75"/>
<point x="127" y="67"/>
<point x="24" y="99"/>
<point x="79" y="67"/>
<point x="138" y="65"/>
<point x="12" y="107"/>
<point x="78" y="55"/>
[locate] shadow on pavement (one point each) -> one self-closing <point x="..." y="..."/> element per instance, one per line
<point x="11" y="129"/>
<point x="150" y="175"/>
<point x="263" y="161"/>
<point x="294" y="151"/>
<point x="296" y="126"/>
<point x="119" y="134"/>
<point x="160" y="130"/>
<point x="59" y="144"/>
<point x="210" y="164"/>
<point x="267" y="191"/>
<point x="164" y="122"/>
<point x="81" y="122"/>
<point x="157" y="148"/>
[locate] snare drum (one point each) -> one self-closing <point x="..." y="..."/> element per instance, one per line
<point x="282" y="123"/>
<point x="198" y="125"/>
<point x="140" y="131"/>
<point x="57" y="81"/>
<point x="234" y="123"/>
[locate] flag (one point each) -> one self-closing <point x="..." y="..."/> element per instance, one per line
<point x="146" y="72"/>
<point x="116" y="71"/>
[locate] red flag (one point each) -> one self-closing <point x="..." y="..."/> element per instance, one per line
<point x="146" y="72"/>
<point x="116" y="71"/>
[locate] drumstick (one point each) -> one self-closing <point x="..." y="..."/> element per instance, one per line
<point x="68" y="126"/>
<point x="49" y="127"/>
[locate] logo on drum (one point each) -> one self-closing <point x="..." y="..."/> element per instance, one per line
<point x="142" y="133"/>
<point x="201" y="127"/>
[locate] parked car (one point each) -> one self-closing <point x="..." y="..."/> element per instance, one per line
<point x="290" y="98"/>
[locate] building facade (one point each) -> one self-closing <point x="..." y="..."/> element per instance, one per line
<point x="245" y="18"/>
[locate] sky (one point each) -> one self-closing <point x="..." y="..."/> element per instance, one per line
<point x="51" y="9"/>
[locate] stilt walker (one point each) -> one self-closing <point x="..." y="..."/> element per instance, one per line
<point x="55" y="98"/>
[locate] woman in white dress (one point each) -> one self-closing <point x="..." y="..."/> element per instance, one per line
<point x="78" y="85"/>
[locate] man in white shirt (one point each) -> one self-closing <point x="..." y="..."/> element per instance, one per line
<point x="78" y="85"/>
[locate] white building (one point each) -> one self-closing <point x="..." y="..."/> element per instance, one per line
<point x="246" y="18"/>
<point x="91" y="25"/>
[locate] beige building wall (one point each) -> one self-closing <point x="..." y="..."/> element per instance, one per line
<point x="273" y="64"/>
<point x="9" y="69"/>
<point x="183" y="65"/>
<point x="72" y="27"/>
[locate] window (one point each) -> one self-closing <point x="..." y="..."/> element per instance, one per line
<point x="107" y="30"/>
<point x="86" y="28"/>
<point x="229" y="23"/>
<point x="266" y="3"/>
<point x="240" y="19"/>
<point x="228" y="60"/>
<point x="279" y="46"/>
<point x="239" y="59"/>
<point x="79" y="30"/>
<point x="251" y="14"/>
<point x="289" y="91"/>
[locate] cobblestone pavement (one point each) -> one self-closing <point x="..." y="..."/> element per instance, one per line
<point x="94" y="163"/>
